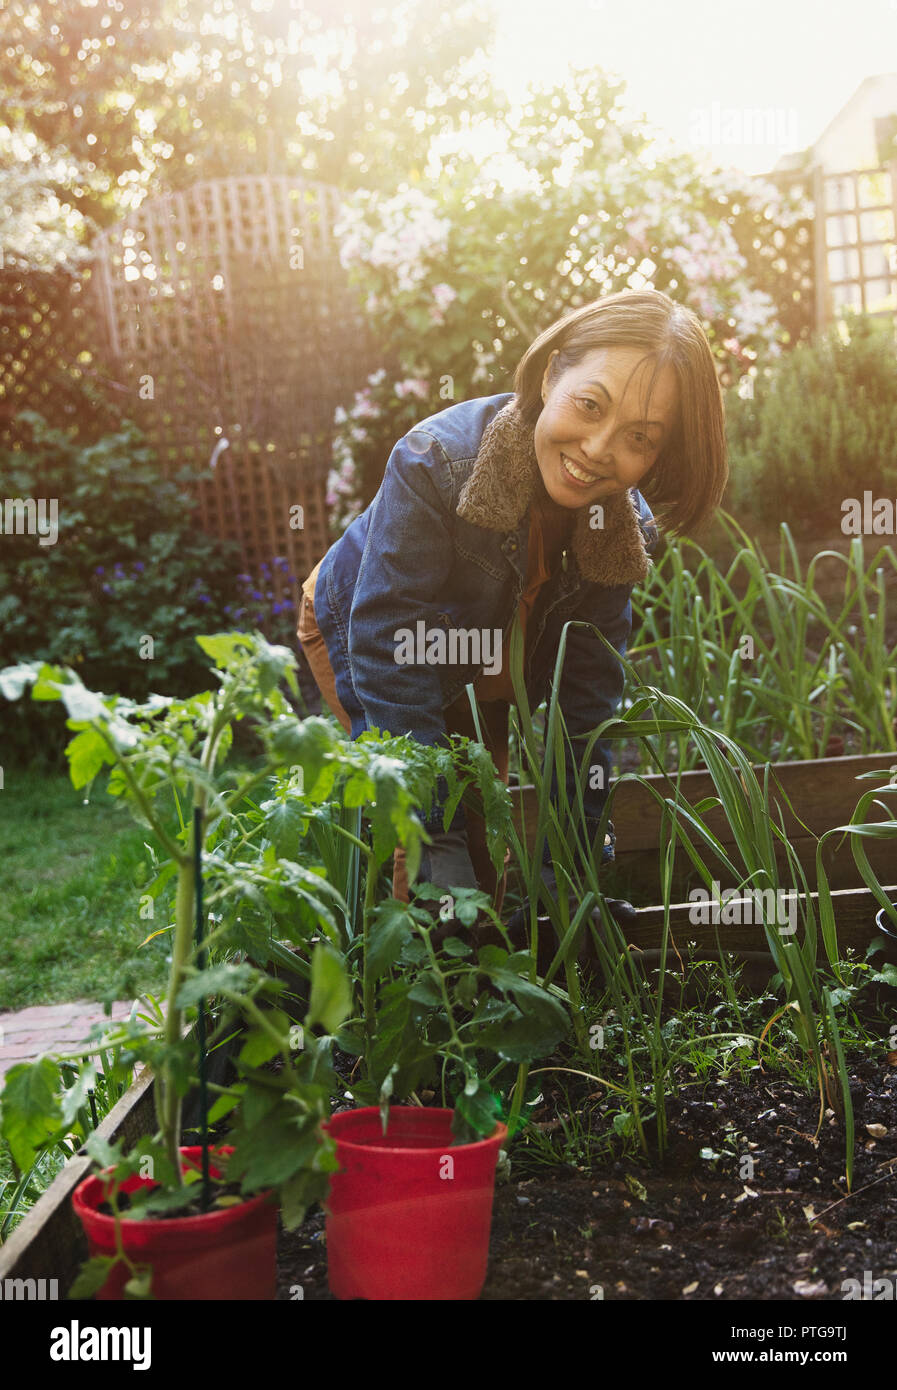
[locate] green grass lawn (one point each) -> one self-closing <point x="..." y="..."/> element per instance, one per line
<point x="70" y="925"/>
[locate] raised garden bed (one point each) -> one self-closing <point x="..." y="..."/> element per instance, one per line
<point x="823" y="793"/>
<point x="692" y="1229"/>
<point x="693" y="1206"/>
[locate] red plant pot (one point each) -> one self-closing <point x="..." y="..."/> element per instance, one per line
<point x="226" y="1253"/>
<point x="409" y="1214"/>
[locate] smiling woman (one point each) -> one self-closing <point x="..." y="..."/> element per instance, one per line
<point x="593" y="435"/>
<point x="523" y="506"/>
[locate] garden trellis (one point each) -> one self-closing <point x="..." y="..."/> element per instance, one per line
<point x="228" y="316"/>
<point x="217" y="312"/>
<point x="856" y="264"/>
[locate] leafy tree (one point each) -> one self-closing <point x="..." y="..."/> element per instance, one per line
<point x="146" y="94"/>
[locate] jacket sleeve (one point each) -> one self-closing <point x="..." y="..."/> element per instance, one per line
<point x="404" y="569"/>
<point x="590" y="692"/>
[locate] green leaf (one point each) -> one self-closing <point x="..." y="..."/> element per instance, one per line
<point x="391" y="927"/>
<point x="541" y="1024"/>
<point x="476" y="1113"/>
<point x="224" y="646"/>
<point x="223" y="1106"/>
<point x="492" y="957"/>
<point x="274" y="664"/>
<point x="31" y="1111"/>
<point x="454" y="946"/>
<point x="466" y="990"/>
<point x="50" y="680"/>
<point x="87" y="752"/>
<point x="307" y="1187"/>
<point x="259" y="1046"/>
<point x="426" y="991"/>
<point x="284" y="825"/>
<point x="140" y="1285"/>
<point x="275" y="1148"/>
<point x="310" y="744"/>
<point x="82" y="705"/>
<point x="92" y="1276"/>
<point x="76" y="1095"/>
<point x="235" y="978"/>
<point x="330" y="1003"/>
<point x="102" y="1152"/>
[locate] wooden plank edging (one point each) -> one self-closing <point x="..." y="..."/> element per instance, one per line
<point x="854" y="910"/>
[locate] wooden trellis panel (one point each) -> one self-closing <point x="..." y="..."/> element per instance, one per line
<point x="856" y="247"/>
<point x="228" y="317"/>
<point x="47" y="331"/>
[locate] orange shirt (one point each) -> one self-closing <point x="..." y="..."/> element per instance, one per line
<point x="547" y="533"/>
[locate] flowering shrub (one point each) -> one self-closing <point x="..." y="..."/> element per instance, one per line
<point x="460" y="276"/>
<point x="266" y="602"/>
<point x="398" y="235"/>
<point x="363" y="433"/>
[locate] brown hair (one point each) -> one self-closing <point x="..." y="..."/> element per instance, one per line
<point x="685" y="484"/>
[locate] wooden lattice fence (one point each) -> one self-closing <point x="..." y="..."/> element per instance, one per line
<point x="48" y="328"/>
<point x="856" y="249"/>
<point x="226" y="316"/>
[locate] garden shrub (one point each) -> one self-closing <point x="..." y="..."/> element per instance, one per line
<point x="821" y="427"/>
<point x="129" y="563"/>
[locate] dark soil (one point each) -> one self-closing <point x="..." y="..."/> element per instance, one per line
<point x="194" y="1208"/>
<point x="692" y="1228"/>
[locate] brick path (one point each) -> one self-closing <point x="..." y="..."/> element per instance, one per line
<point x="50" y="1028"/>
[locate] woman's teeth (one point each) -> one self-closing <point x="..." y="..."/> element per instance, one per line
<point x="579" y="473"/>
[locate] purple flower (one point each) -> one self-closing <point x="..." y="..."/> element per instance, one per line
<point x="204" y="598"/>
<point x="256" y="595"/>
<point x="107" y="589"/>
<point x="139" y="566"/>
<point x="278" y="608"/>
<point x="245" y="578"/>
<point x="99" y="570"/>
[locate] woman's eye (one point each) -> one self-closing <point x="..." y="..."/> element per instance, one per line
<point x="586" y="402"/>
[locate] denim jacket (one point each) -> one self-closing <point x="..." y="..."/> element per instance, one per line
<point x="444" y="543"/>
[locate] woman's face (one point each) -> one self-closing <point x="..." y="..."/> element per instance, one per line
<point x="592" y="438"/>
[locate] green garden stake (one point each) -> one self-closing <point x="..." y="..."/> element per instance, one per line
<point x="201" y="1019"/>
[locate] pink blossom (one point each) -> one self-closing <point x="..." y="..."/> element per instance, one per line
<point x="413" y="386"/>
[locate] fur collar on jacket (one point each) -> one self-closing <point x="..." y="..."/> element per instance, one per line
<point x="503" y="483"/>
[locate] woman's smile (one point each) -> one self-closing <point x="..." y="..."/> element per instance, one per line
<point x="577" y="475"/>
